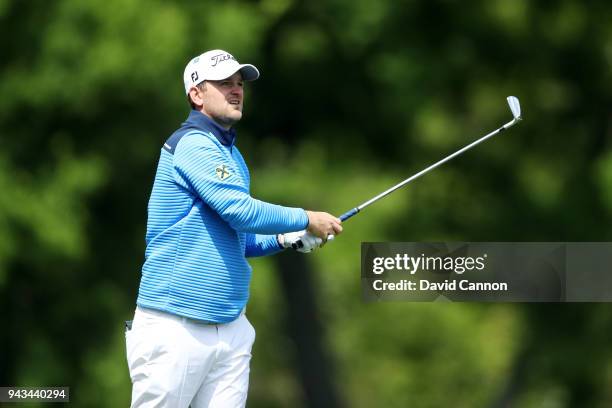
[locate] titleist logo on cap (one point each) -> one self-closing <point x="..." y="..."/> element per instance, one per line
<point x="215" y="59"/>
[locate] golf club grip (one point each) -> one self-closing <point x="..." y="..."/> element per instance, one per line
<point x="348" y="214"/>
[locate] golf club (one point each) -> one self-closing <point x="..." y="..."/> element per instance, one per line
<point x="515" y="107"/>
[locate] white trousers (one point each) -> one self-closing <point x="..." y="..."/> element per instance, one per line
<point x="178" y="362"/>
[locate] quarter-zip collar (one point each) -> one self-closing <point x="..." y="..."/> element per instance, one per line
<point x="198" y="120"/>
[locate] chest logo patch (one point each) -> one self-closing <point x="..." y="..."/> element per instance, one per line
<point x="222" y="172"/>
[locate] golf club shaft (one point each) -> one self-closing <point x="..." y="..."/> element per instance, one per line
<point x="515" y="107"/>
<point x="357" y="209"/>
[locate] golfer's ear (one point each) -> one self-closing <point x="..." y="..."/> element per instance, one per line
<point x="195" y="96"/>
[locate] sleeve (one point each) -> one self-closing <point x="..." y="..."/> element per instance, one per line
<point x="196" y="160"/>
<point x="261" y="245"/>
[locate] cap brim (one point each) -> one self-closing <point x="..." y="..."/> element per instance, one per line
<point x="249" y="72"/>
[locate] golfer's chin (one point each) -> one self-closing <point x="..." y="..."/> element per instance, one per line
<point x="229" y="119"/>
<point x="233" y="116"/>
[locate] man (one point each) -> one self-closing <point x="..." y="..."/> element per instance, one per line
<point x="190" y="341"/>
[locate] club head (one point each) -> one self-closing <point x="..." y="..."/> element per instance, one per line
<point x="515" y="107"/>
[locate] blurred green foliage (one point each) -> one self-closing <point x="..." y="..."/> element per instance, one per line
<point x="353" y="97"/>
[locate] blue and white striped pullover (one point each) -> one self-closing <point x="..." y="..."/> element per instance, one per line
<point x="203" y="223"/>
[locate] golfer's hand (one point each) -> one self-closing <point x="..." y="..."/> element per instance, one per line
<point x="322" y="224"/>
<point x="301" y="241"/>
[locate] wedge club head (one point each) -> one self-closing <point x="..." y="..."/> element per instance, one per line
<point x="515" y="107"/>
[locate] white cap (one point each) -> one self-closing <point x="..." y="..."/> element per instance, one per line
<point x="216" y="65"/>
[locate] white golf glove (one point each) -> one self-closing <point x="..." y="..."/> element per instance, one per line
<point x="301" y="241"/>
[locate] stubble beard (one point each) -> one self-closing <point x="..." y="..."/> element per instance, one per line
<point x="225" y="119"/>
<point x="230" y="119"/>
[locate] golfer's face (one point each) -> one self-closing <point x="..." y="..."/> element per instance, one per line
<point x="223" y="99"/>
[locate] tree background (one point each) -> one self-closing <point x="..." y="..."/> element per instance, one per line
<point x="353" y="97"/>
